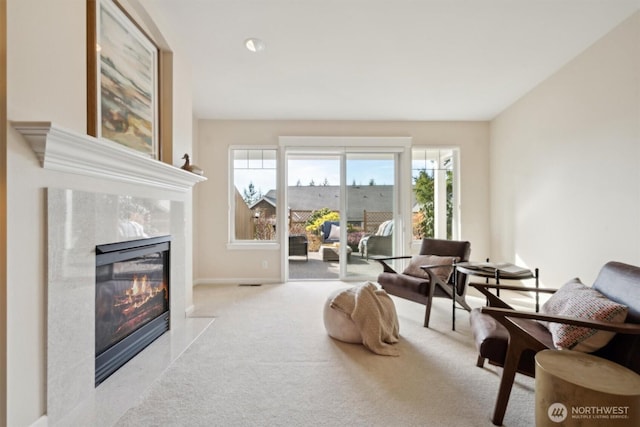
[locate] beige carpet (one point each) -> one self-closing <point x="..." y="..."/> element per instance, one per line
<point x="267" y="361"/>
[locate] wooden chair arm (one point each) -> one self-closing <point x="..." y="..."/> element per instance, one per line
<point x="495" y="301"/>
<point x="386" y="268"/>
<point x="492" y="299"/>
<point x="389" y="258"/>
<point x="621" y="328"/>
<point x="511" y="287"/>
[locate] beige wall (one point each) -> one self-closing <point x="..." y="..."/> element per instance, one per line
<point x="3" y="212"/>
<point x="216" y="263"/>
<point x="47" y="82"/>
<point x="564" y="173"/>
<point x="565" y="165"/>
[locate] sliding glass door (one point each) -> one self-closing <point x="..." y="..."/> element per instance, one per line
<point x="341" y="204"/>
<point x="313" y="203"/>
<point x="370" y="209"/>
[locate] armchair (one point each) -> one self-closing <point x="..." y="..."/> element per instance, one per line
<point x="423" y="288"/>
<point x="511" y="338"/>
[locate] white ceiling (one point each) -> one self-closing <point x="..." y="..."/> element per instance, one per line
<point x="377" y="59"/>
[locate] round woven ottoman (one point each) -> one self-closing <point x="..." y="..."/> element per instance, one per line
<point x="338" y="324"/>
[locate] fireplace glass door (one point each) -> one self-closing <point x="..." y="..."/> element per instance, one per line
<point x="132" y="300"/>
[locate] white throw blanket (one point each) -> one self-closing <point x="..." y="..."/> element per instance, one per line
<point x="374" y="314"/>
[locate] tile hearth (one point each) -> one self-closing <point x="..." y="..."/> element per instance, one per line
<point x="127" y="386"/>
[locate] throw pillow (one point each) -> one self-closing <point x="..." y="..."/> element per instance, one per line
<point x="443" y="273"/>
<point x="380" y="230"/>
<point x="388" y="228"/>
<point x="334" y="233"/>
<point x="574" y="299"/>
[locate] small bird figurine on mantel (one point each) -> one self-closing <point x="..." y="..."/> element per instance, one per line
<point x="189" y="167"/>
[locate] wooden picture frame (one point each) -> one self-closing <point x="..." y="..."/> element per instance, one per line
<point x="122" y="79"/>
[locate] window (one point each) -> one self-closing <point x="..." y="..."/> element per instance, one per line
<point x="254" y="194"/>
<point x="434" y="197"/>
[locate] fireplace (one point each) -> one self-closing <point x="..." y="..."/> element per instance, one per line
<point x="132" y="300"/>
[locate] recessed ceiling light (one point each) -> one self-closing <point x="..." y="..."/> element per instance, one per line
<point x="254" y="45"/>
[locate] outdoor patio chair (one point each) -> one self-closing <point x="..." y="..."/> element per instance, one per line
<point x="380" y="243"/>
<point x="299" y="245"/>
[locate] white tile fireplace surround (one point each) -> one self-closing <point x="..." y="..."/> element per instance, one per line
<point x="77" y="221"/>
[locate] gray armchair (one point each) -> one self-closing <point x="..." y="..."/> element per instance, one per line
<point x="380" y="243"/>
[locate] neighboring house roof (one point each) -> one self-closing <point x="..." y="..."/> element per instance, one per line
<point x="372" y="198"/>
<point x="269" y="198"/>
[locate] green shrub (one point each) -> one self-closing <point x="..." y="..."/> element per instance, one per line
<point x="314" y="222"/>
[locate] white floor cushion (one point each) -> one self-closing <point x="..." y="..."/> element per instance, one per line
<point x="338" y="324"/>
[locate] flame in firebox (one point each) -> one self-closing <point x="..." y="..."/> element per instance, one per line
<point x="134" y="286"/>
<point x="141" y="290"/>
<point x="139" y="299"/>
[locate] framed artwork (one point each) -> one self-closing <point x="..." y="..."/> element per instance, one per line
<point x="122" y="79"/>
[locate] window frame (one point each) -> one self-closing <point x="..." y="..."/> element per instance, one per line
<point x="455" y="213"/>
<point x="240" y="244"/>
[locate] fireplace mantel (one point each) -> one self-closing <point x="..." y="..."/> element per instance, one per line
<point x="63" y="150"/>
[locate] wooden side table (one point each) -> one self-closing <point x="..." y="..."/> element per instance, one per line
<point x="579" y="389"/>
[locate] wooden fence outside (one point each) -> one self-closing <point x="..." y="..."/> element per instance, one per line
<point x="245" y="223"/>
<point x="371" y="220"/>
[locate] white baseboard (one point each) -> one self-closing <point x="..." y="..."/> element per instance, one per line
<point x="189" y="310"/>
<point x="236" y="281"/>
<point x="43" y="421"/>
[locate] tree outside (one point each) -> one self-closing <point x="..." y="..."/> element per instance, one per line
<point x="250" y="195"/>
<point x="423" y="188"/>
<point x="319" y="217"/>
<point x="424" y="220"/>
